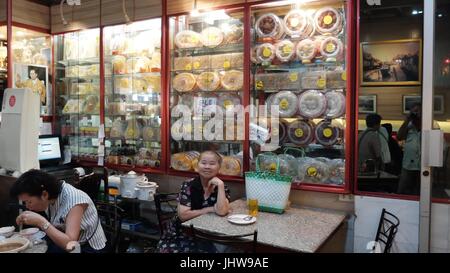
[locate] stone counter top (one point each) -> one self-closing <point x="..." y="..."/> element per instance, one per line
<point x="299" y="229"/>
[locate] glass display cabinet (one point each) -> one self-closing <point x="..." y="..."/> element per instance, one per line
<point x="77" y="81"/>
<point x="298" y="73"/>
<point x="132" y="66"/>
<point x="3" y="60"/>
<point x="206" y="89"/>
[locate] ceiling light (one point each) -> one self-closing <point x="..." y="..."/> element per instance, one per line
<point x="414" y="12"/>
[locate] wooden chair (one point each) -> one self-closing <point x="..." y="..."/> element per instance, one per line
<point x="387" y="229"/>
<point x="237" y="242"/>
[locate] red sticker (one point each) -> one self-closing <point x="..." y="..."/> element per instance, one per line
<point x="12" y="101"/>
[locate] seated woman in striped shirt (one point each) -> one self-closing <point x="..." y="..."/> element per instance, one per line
<point x="72" y="215"/>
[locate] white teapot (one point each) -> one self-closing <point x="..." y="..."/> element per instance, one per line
<point x="128" y="183"/>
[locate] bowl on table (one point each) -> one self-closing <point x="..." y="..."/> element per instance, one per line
<point x="14" y="245"/>
<point x="7" y="231"/>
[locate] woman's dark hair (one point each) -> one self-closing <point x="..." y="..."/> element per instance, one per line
<point x="34" y="182"/>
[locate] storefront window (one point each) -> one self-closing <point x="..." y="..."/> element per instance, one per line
<point x="133" y="94"/>
<point x="441" y="111"/>
<point x="31" y="58"/>
<point x="206" y="89"/>
<point x="390" y="88"/>
<point x="77" y="68"/>
<point x="298" y="73"/>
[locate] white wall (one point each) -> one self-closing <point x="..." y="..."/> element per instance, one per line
<point x="368" y="211"/>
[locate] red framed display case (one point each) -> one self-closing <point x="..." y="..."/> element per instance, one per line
<point x="133" y="101"/>
<point x="302" y="62"/>
<point x="206" y="79"/>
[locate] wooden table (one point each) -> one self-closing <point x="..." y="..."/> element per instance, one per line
<point x="298" y="229"/>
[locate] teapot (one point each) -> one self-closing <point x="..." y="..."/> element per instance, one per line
<point x="128" y="183"/>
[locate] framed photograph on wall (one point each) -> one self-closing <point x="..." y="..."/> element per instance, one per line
<point x="409" y="101"/>
<point x="34" y="77"/>
<point x="395" y="62"/>
<point x="367" y="104"/>
<point x="438" y="104"/>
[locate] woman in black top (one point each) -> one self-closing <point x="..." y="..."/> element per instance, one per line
<point x="203" y="194"/>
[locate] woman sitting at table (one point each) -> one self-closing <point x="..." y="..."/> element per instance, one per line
<point x="72" y="215"/>
<point x="203" y="194"/>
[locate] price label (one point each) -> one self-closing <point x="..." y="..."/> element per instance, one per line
<point x="330" y="48"/>
<point x="298" y="132"/>
<point x="273" y="167"/>
<point x="226" y="64"/>
<point x="311" y="171"/>
<point x="327" y="132"/>
<point x="293" y="77"/>
<point x="287" y="49"/>
<point x="196" y="65"/>
<point x="284" y="104"/>
<point x="188" y="67"/>
<point x="328" y="19"/>
<point x="267" y="52"/>
<point x="201" y="103"/>
<point x="321" y="83"/>
<point x="227" y="104"/>
<point x="294" y="22"/>
<point x="344" y="76"/>
<point x="259" y="85"/>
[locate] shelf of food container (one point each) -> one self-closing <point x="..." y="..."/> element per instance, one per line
<point x="134" y="139"/>
<point x="200" y="91"/>
<point x="80" y="114"/>
<point x="140" y="116"/>
<point x="108" y="58"/>
<point x="97" y="77"/>
<point x="81" y="95"/>
<point x="314" y="146"/>
<point x="137" y="75"/>
<point x="214" y="141"/>
<point x="195" y="51"/>
<point x="83" y="61"/>
<point x="206" y="70"/>
<point x="296" y="65"/>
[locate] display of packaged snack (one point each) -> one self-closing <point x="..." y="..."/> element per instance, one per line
<point x="153" y="83"/>
<point x="133" y="130"/>
<point x="119" y="64"/>
<point x="115" y="108"/>
<point x="268" y="161"/>
<point x="150" y="133"/>
<point x="311" y="170"/>
<point x="39" y="59"/>
<point x="93" y="70"/>
<point x="139" y="85"/>
<point x="233" y="33"/>
<point x="91" y="105"/>
<point x="230" y="166"/>
<point x="312" y="104"/>
<point x="232" y="80"/>
<point x="123" y="85"/>
<point x="326" y="133"/>
<point x="288" y="165"/>
<point x="155" y="62"/>
<point x="290" y="80"/>
<point x="331" y="48"/>
<point x="184" y="82"/>
<point x="151" y="110"/>
<point x="300" y="132"/>
<point x="117" y="44"/>
<point x="295" y="22"/>
<point x="188" y="39"/>
<point x="279" y="132"/>
<point x="287" y="102"/>
<point x="237" y="61"/>
<point x="285" y="50"/>
<point x="336" y="79"/>
<point x="265" y="53"/>
<point x="269" y="26"/>
<point x="335" y="104"/>
<point x="337" y="171"/>
<point x="183" y="161"/>
<point x="314" y="80"/>
<point x="186" y="99"/>
<point x="201" y="62"/>
<point x="72" y="107"/>
<point x="208" y="81"/>
<point x="253" y="55"/>
<point x="306" y="50"/>
<point x="266" y="81"/>
<point x="72" y="71"/>
<point x="212" y="36"/>
<point x="328" y="20"/>
<point x="85" y="88"/>
<point x="228" y="101"/>
<point x="182" y="63"/>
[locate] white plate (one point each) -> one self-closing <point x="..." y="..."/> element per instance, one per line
<point x="241" y="219"/>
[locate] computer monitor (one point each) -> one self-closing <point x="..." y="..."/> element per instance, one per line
<point x="49" y="150"/>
